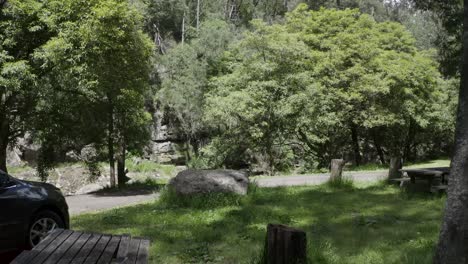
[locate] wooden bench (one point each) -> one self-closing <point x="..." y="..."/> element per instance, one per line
<point x="67" y="246"/>
<point x="401" y="181"/>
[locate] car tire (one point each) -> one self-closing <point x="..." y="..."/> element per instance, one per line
<point x="42" y="224"/>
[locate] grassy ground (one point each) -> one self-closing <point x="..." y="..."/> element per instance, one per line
<point x="373" y="224"/>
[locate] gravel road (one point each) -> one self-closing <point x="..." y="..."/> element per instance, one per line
<point x="315" y="179"/>
<point x="85" y="203"/>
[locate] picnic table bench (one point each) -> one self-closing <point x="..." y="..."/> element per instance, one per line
<point x="428" y="174"/>
<point x="67" y="246"/>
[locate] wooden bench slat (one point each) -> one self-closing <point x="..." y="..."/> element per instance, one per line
<point x="21" y="258"/>
<point x="132" y="253"/>
<point x="110" y="250"/>
<point x="86" y="249"/>
<point x="98" y="250"/>
<point x="143" y="252"/>
<point x="123" y="248"/>
<point x="29" y="255"/>
<point x="75" y="248"/>
<point x="400" y="179"/>
<point x="66" y="246"/>
<point x="63" y="248"/>
<point x="41" y="257"/>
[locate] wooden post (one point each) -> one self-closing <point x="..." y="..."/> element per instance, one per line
<point x="395" y="166"/>
<point x="285" y="245"/>
<point x="336" y="169"/>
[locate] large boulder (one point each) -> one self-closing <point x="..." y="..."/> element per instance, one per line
<point x="210" y="181"/>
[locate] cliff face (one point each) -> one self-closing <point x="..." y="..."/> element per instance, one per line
<point x="165" y="145"/>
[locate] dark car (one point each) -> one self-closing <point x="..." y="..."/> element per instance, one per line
<point x="28" y="212"/>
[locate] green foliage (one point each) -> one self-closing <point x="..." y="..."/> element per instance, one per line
<point x="96" y="70"/>
<point x="146" y="166"/>
<point x="295" y="90"/>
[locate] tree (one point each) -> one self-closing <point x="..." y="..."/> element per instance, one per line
<point x="184" y="72"/>
<point x="98" y="68"/>
<point x="453" y="241"/>
<point x="321" y="85"/>
<point x="21" y="32"/>
<point x="253" y="102"/>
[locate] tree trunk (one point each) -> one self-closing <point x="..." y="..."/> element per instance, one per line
<point x="183" y="29"/>
<point x="409" y="142"/>
<point x="121" y="174"/>
<point x="4" y="134"/>
<point x="110" y="146"/>
<point x="198" y="14"/>
<point x="336" y="169"/>
<point x="395" y="167"/>
<point x="285" y="245"/>
<point x="3" y="156"/>
<point x="453" y="240"/>
<point x="378" y="147"/>
<point x="356" y="148"/>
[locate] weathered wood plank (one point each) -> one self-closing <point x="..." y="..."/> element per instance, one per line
<point x="86" y="249"/>
<point x="132" y="253"/>
<point x="50" y="249"/>
<point x="123" y="248"/>
<point x="98" y="250"/>
<point x="142" y="257"/>
<point x="75" y="248"/>
<point x="29" y="255"/>
<point x="22" y="257"/>
<point x="60" y="252"/>
<point x="110" y="250"/>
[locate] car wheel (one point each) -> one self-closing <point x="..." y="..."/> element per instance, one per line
<point x="42" y="225"/>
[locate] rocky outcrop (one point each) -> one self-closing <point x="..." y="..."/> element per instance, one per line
<point x="165" y="146"/>
<point x="210" y="181"/>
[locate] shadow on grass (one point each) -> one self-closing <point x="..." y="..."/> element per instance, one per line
<point x="378" y="224"/>
<point x="137" y="188"/>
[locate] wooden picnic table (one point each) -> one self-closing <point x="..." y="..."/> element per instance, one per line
<point x="429" y="174"/>
<point x="67" y="246"/>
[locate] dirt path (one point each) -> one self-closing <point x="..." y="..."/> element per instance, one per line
<point x="315" y="179"/>
<point x="85" y="203"/>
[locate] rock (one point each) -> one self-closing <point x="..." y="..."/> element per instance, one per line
<point x="210" y="181"/>
<point x="14" y="157"/>
<point x="89" y="188"/>
<point x="88" y="153"/>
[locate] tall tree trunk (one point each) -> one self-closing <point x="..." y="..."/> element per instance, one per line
<point x="198" y="14"/>
<point x="409" y="142"/>
<point x="183" y="29"/>
<point x="356" y="148"/>
<point x="3" y="155"/>
<point x="110" y="146"/>
<point x="378" y="147"/>
<point x="4" y="134"/>
<point x="453" y="240"/>
<point x="121" y="175"/>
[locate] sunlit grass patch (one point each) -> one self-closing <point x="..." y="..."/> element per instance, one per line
<point x="376" y="224"/>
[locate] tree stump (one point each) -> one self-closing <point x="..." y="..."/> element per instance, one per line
<point x="395" y="166"/>
<point x="336" y="169"/>
<point x="285" y="245"/>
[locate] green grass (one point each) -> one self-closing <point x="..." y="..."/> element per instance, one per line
<point x="344" y="224"/>
<point x="146" y="166"/>
<point x="430" y="163"/>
